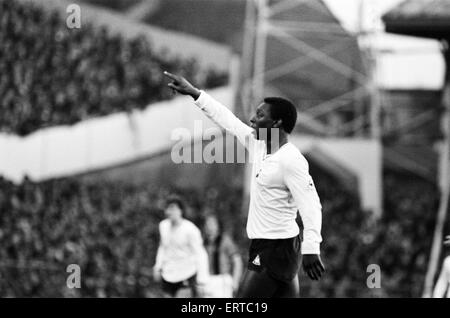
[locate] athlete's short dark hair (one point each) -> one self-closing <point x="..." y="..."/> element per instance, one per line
<point x="284" y="109"/>
<point x="173" y="199"/>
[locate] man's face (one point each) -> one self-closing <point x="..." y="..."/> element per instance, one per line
<point x="173" y="212"/>
<point x="262" y="122"/>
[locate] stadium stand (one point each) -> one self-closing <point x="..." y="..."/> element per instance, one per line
<point x="110" y="230"/>
<point x="49" y="76"/>
<point x="55" y="76"/>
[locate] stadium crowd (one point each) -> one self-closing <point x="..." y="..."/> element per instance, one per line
<point x="399" y="242"/>
<point x="53" y="75"/>
<point x="109" y="229"/>
<point x="50" y="75"/>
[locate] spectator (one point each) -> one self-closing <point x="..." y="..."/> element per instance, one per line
<point x="225" y="262"/>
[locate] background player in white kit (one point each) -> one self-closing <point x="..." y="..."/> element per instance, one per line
<point x="280" y="186"/>
<point x="181" y="260"/>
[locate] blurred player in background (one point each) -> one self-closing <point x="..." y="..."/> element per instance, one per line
<point x="442" y="288"/>
<point x="280" y="186"/>
<point x="225" y="263"/>
<point x="181" y="259"/>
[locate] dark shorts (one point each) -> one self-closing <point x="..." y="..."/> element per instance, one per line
<point x="172" y="288"/>
<point x="280" y="258"/>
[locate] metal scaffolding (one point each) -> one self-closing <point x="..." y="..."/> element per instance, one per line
<point x="262" y="22"/>
<point x="265" y="21"/>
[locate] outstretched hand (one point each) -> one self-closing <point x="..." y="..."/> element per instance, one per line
<point x="313" y="267"/>
<point x="182" y="86"/>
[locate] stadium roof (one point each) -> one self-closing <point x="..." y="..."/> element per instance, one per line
<point x="419" y="160"/>
<point x="221" y="21"/>
<point x="403" y="62"/>
<point x="330" y="64"/>
<point x="424" y="18"/>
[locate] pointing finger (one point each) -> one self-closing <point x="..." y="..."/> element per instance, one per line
<point x="172" y="76"/>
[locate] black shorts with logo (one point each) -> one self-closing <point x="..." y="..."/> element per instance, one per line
<point x="280" y="257"/>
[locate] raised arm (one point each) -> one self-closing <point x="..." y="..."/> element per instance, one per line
<point x="217" y="112"/>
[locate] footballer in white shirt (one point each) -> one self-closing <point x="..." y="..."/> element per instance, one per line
<point x="280" y="186"/>
<point x="181" y="259"/>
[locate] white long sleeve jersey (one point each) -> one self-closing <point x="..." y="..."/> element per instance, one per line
<point x="280" y="184"/>
<point x="181" y="253"/>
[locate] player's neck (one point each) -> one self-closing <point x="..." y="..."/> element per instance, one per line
<point x="176" y="222"/>
<point x="273" y="147"/>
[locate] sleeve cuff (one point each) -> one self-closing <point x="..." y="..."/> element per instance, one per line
<point x="310" y="248"/>
<point x="200" y="101"/>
